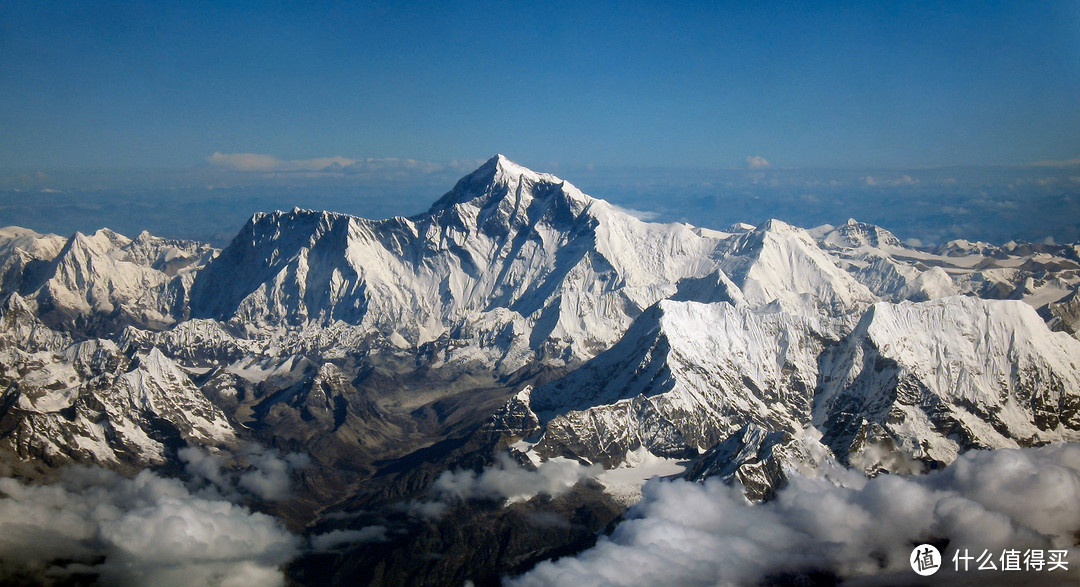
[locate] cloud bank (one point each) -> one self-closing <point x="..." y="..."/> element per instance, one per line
<point x="709" y="534"/>
<point x="147" y="530"/>
<point x="151" y="530"/>
<point x="209" y="202"/>
<point x="892" y="182"/>
<point x="510" y="481"/>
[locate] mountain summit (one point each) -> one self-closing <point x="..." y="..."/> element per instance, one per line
<point x="501" y="180"/>
<point x="508" y="250"/>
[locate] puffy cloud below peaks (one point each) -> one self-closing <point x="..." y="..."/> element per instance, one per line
<point x="140" y="531"/>
<point x="709" y="534"/>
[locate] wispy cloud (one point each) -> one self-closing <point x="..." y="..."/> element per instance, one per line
<point x="263" y="472"/>
<point x="247" y="161"/>
<point x="1056" y="163"/>
<point x="155" y="530"/>
<point x="510" y="481"/>
<point x="336" y="538"/>
<point x="258" y="162"/>
<point x="261" y="162"/>
<point x="643" y="215"/>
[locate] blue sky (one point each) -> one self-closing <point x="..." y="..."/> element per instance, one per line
<point x="135" y="85"/>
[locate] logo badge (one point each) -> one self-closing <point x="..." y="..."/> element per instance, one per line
<point x="925" y="560"/>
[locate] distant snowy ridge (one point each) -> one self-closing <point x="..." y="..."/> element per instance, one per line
<point x="97" y="284"/>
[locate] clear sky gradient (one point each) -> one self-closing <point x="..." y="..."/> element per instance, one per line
<point x="121" y="85"/>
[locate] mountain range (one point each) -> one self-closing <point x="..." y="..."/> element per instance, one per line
<point x="520" y="327"/>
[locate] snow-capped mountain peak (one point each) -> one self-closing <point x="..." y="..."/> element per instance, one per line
<point x="505" y="244"/>
<point x="853" y="234"/>
<point x="778" y="263"/>
<point x="503" y="184"/>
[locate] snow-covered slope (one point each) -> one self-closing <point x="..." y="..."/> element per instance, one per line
<point x="762" y="461"/>
<point x="24" y="254"/>
<point x="777" y="263"/>
<point x="87" y="401"/>
<point x="939" y="377"/>
<point x="506" y="245"/>
<point x="20" y="328"/>
<point x="913" y="386"/>
<point x="1064" y="314"/>
<point x="40" y="246"/>
<point x="1036" y="273"/>
<point x="90" y="403"/>
<point x="684" y="376"/>
<point x="877" y="259"/>
<point x="97" y="284"/>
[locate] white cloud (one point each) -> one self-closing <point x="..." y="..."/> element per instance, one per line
<point x="1057" y="163"/>
<point x="270" y="474"/>
<point x="424" y="509"/>
<point x="510" y="481"/>
<point x="260" y="162"/>
<point x="757" y="162"/>
<point x="708" y="534"/>
<point x="335" y="538"/>
<point x="140" y="531"/>
<point x="506" y="480"/>
<point x="892" y="182"/>
<point x="247" y="161"/>
<point x="201" y="465"/>
<point x="265" y="473"/>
